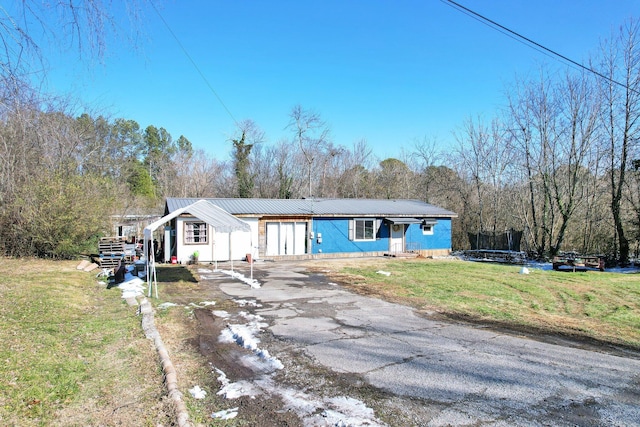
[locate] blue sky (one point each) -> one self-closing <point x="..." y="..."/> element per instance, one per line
<point x="389" y="72"/>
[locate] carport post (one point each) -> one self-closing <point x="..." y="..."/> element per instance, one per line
<point x="215" y="259"/>
<point x="230" y="251"/>
<point x="251" y="253"/>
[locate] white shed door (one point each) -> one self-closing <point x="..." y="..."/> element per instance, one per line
<point x="273" y="238"/>
<point x="286" y="238"/>
<point x="300" y="238"/>
<point x="287" y="242"/>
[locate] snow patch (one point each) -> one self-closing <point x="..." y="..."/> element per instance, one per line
<point x="244" y="335"/>
<point x="202" y="304"/>
<point x="244" y="302"/>
<point x="340" y="411"/>
<point x="226" y="414"/>
<point x="251" y="282"/>
<point x="166" y="305"/>
<point x="197" y="392"/>
<point x="132" y="286"/>
<point x="220" y="313"/>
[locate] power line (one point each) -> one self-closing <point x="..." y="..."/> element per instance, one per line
<point x="527" y="41"/>
<point x="186" y="53"/>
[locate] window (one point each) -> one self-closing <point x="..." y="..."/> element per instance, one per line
<point x="195" y="232"/>
<point x="427" y="227"/>
<point x="365" y="229"/>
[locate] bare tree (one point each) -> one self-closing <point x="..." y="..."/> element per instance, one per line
<point x="312" y="136"/>
<point x="425" y="155"/>
<point x="354" y="170"/>
<point x="534" y="114"/>
<point x="485" y="156"/>
<point x="570" y="152"/>
<point x="620" y="94"/>
<point x="84" y="26"/>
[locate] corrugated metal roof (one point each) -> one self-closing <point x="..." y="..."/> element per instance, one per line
<point x="320" y="207"/>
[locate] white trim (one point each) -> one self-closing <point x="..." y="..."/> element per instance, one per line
<point x="373" y="229"/>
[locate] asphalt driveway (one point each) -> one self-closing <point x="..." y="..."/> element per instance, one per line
<point x="460" y="375"/>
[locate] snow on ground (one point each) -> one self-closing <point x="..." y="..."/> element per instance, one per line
<point x="166" y="305"/>
<point x="244" y="302"/>
<point x="315" y="411"/>
<point x="221" y="313"/>
<point x="549" y="266"/>
<point x="132" y="287"/>
<point x="239" y="276"/>
<point x="197" y="392"/>
<point x="227" y="414"/>
<point x="251" y="282"/>
<point x="245" y="336"/>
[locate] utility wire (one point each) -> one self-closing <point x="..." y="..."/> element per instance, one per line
<point x="527" y="41"/>
<point x="186" y="53"/>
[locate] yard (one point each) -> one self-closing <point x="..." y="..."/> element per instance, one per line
<point x="74" y="353"/>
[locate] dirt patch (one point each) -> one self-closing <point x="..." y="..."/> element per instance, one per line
<point x="191" y="334"/>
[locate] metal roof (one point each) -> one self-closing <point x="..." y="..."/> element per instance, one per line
<point x="320" y="207"/>
<point x="205" y="211"/>
<point x="404" y="220"/>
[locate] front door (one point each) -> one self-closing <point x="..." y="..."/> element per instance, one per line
<point x="396" y="243"/>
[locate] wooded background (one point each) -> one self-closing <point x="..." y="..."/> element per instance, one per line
<point x="560" y="163"/>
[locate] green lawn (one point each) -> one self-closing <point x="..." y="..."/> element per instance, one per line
<point x="72" y="353"/>
<point x="603" y="306"/>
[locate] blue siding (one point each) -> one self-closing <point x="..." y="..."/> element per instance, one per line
<point x="440" y="239"/>
<point x="335" y="237"/>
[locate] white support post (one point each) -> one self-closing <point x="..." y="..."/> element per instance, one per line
<point x="230" y="251"/>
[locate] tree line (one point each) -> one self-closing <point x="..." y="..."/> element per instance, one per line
<point x="560" y="163"/>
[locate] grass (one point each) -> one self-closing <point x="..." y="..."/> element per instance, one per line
<point x="72" y="352"/>
<point x="601" y="306"/>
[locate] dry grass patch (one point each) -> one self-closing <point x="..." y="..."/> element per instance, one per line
<point x="73" y="352"/>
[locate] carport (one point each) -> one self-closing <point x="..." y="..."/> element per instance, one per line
<point x="214" y="216"/>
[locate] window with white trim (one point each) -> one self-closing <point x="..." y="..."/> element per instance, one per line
<point x="365" y="229"/>
<point x="427" y="229"/>
<point x="195" y="233"/>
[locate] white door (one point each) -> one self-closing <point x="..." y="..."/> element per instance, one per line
<point x="396" y="243"/>
<point x="287" y="241"/>
<point x="286" y="238"/>
<point x="273" y="238"/>
<point x="300" y="238"/>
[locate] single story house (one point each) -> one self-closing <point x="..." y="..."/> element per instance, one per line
<point x="309" y="228"/>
